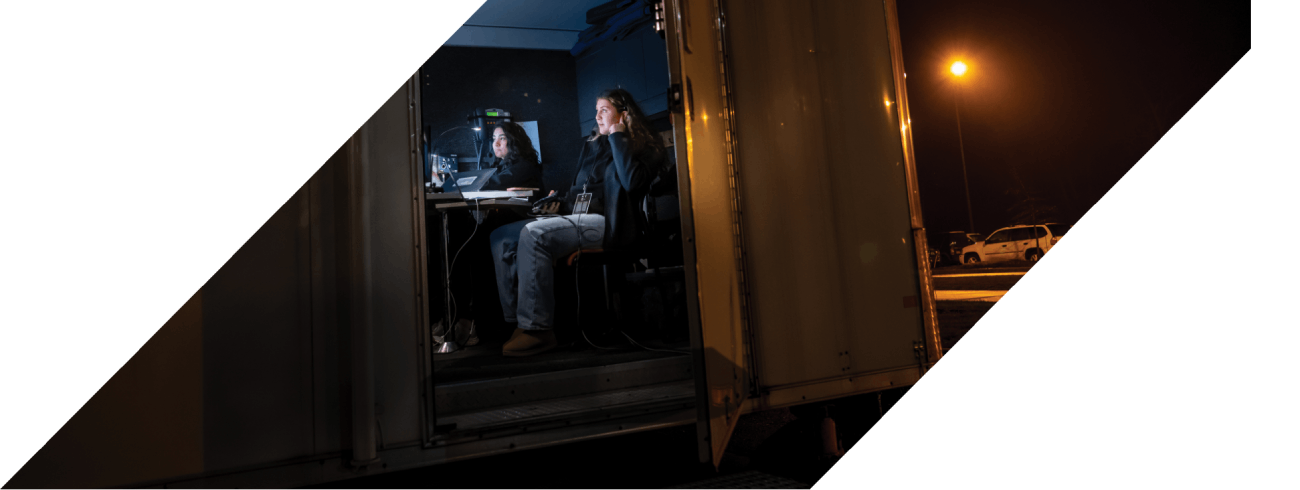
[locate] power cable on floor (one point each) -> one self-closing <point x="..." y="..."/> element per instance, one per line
<point x="452" y="267"/>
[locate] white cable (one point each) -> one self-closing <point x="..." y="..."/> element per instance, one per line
<point x="577" y="227"/>
<point x="452" y="267"/>
<point x="435" y="140"/>
<point x="638" y="344"/>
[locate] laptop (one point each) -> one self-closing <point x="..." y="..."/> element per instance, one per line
<point x="470" y="181"/>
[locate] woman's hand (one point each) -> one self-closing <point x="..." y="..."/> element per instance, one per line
<point x="551" y="208"/>
<point x="621" y="125"/>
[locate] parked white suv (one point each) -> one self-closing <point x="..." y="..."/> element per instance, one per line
<point x="1015" y="242"/>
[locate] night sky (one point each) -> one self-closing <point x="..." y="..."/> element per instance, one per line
<point x="1061" y="98"/>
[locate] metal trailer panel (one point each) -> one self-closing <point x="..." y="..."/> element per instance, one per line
<point x="334" y="467"/>
<point x="396" y="301"/>
<point x="151" y="410"/>
<point x="933" y="346"/>
<point x="830" y="262"/>
<point x="334" y="263"/>
<point x="255" y="371"/>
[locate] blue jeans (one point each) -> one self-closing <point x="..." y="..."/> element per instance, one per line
<point x="525" y="253"/>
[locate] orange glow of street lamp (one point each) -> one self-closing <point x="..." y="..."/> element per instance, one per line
<point x="959" y="69"/>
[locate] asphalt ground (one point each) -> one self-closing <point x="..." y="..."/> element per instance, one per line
<point x="1003" y="266"/>
<point x="956" y="318"/>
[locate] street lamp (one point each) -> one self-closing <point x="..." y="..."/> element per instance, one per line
<point x="959" y="69"/>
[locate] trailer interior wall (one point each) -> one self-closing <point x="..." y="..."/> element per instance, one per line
<point x="533" y="84"/>
<point x="254" y="369"/>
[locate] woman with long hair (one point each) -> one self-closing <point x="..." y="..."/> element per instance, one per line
<point x="518" y="166"/>
<point x="602" y="209"/>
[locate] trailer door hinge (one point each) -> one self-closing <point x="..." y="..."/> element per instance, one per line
<point x="659" y="19"/>
<point x="675" y="99"/>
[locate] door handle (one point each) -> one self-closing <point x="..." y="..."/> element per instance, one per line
<point x="684" y="25"/>
<point x="690" y="99"/>
<point x="675" y="99"/>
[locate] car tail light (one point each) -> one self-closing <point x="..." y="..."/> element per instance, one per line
<point x="1055" y="239"/>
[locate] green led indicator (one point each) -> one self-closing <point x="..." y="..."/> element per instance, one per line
<point x="491" y="113"/>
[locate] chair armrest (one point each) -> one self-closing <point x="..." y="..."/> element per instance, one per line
<point x="574" y="256"/>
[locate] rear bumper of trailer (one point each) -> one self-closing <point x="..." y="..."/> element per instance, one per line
<point x="335" y="467"/>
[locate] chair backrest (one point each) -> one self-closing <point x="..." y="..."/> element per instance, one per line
<point x="660" y="210"/>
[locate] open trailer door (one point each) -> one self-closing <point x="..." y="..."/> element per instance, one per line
<point x="713" y="260"/>
<point x="836" y="269"/>
<point x="808" y="250"/>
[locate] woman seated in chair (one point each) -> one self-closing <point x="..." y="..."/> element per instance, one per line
<point x="518" y="166"/>
<point x="615" y="167"/>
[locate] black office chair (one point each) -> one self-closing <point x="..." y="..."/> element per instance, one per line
<point x="659" y="247"/>
<point x="615" y="265"/>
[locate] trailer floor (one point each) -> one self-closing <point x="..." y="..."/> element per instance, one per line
<point x="484" y="361"/>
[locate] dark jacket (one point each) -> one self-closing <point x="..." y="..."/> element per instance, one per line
<point x="624" y="179"/>
<point x="514" y="172"/>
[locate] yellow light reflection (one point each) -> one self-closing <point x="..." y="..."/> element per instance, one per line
<point x="986" y="274"/>
<point x="690" y="150"/>
<point x="958" y="68"/>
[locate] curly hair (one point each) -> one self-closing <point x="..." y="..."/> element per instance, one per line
<point x="640" y="134"/>
<point x="519" y="145"/>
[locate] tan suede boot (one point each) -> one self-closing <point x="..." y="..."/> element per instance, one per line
<point x="529" y="342"/>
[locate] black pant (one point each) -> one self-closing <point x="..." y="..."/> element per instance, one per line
<point x="473" y="278"/>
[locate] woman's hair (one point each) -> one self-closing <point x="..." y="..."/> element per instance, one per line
<point x="519" y="144"/>
<point x="637" y="130"/>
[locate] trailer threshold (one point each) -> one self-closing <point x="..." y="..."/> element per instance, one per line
<point x="606" y="404"/>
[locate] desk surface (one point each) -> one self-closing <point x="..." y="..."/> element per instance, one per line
<point x="462" y="196"/>
<point x="479" y="200"/>
<point x="486" y="204"/>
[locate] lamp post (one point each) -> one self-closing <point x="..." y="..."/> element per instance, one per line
<point x="958" y="70"/>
